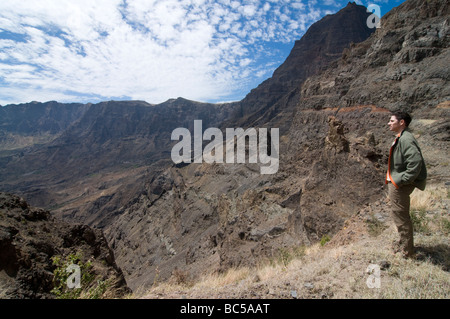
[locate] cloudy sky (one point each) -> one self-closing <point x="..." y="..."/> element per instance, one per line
<point x="152" y="50"/>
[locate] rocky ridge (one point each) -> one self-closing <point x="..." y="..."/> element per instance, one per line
<point x="202" y="218"/>
<point x="205" y="217"/>
<point x="30" y="238"/>
<point x="212" y="217"/>
<point x="272" y="102"/>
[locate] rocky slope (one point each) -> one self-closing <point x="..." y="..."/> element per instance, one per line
<point x="338" y="269"/>
<point x="109" y="145"/>
<point x="273" y="101"/>
<point x="108" y="170"/>
<point x="30" y="238"/>
<point x="206" y="217"/>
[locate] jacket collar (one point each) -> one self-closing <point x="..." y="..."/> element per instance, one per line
<point x="401" y="133"/>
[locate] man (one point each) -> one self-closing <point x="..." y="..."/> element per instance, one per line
<point x="406" y="171"/>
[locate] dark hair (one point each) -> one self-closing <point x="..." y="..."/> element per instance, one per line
<point x="402" y="116"/>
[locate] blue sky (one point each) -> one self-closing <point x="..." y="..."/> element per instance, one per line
<point x="151" y="50"/>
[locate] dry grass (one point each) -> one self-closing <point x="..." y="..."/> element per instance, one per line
<point x="332" y="271"/>
<point x="430" y="210"/>
<point x="434" y="198"/>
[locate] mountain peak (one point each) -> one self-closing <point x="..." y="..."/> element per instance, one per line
<point x="323" y="43"/>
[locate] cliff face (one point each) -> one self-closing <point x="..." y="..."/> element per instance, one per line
<point x="205" y="217"/>
<point x="403" y="65"/>
<point x="273" y="101"/>
<point x="30" y="238"/>
<point x="112" y="168"/>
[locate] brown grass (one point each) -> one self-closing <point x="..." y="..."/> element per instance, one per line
<point x="340" y="271"/>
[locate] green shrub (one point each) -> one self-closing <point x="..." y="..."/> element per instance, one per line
<point x="285" y="255"/>
<point x="420" y="221"/>
<point x="325" y="239"/>
<point x="97" y="291"/>
<point x="87" y="276"/>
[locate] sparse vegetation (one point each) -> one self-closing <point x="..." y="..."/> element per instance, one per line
<point x="374" y="226"/>
<point x="180" y="277"/>
<point x="429" y="210"/>
<point x="286" y="255"/>
<point x="88" y="290"/>
<point x="420" y="221"/>
<point x="443" y="224"/>
<point x="325" y="239"/>
<point x="60" y="276"/>
<point x="335" y="272"/>
<point x="339" y="271"/>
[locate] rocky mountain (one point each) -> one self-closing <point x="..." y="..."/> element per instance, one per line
<point x="110" y="167"/>
<point x="85" y="161"/>
<point x="273" y="101"/>
<point x="205" y="217"/>
<point x="30" y="239"/>
<point x="211" y="217"/>
<point x="101" y="148"/>
<point x="27" y="124"/>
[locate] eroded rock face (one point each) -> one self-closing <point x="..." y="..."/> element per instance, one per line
<point x="273" y="101"/>
<point x="30" y="237"/>
<point x="210" y="217"/>
<point x="334" y="145"/>
<point x="403" y="65"/>
<point x="332" y="161"/>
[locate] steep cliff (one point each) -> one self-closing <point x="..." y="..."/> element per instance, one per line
<point x="273" y="101"/>
<point x="331" y="99"/>
<point x="30" y="239"/>
<point x="206" y="217"/>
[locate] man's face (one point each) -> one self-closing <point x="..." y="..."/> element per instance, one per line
<point x="396" y="125"/>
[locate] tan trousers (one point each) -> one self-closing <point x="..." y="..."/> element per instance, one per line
<point x="400" y="203"/>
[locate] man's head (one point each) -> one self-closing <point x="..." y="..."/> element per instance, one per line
<point x="399" y="121"/>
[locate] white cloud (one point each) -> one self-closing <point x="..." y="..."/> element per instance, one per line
<point x="152" y="50"/>
<point x="331" y="3"/>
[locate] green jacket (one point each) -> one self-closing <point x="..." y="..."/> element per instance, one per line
<point x="406" y="164"/>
